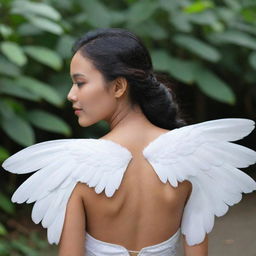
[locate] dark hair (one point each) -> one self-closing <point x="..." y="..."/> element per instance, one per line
<point x="117" y="52"/>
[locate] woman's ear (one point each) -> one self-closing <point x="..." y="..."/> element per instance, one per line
<point x="120" y="86"/>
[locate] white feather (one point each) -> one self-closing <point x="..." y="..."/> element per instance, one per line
<point x="203" y="154"/>
<point x="60" y="165"/>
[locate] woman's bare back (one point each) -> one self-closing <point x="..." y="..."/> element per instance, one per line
<point x="143" y="211"/>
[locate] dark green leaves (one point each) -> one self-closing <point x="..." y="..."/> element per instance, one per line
<point x="198" y="47"/>
<point x="45" y="56"/>
<point x="48" y="122"/>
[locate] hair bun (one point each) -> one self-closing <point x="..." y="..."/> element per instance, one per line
<point x="152" y="79"/>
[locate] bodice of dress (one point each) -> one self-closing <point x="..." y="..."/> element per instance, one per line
<point x="95" y="247"/>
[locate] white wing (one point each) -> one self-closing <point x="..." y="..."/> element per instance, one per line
<point x="203" y="154"/>
<point x="60" y="164"/>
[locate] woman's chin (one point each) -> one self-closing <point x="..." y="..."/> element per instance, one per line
<point x="84" y="123"/>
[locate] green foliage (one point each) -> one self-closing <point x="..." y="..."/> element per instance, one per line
<point x="3" y="230"/>
<point x="40" y="15"/>
<point x="40" y="89"/>
<point x="21" y="58"/>
<point x="45" y="56"/>
<point x="30" y="244"/>
<point x="48" y="122"/>
<point x="7" y="206"/>
<point x="18" y="129"/>
<point x="213" y="86"/>
<point x="252" y="60"/>
<point x="8" y="87"/>
<point x="197" y="47"/>
<point x="198" y="6"/>
<point x="8" y="68"/>
<point x="3" y="154"/>
<point x="14" y="53"/>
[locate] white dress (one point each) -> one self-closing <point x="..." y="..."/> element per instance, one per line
<point x="95" y="247"/>
<point x="201" y="153"/>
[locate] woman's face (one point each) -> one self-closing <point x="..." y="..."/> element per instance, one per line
<point x="88" y="93"/>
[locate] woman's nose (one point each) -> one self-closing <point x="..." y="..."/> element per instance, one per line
<point x="71" y="96"/>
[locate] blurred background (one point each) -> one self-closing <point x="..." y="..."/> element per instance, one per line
<point x="207" y="48"/>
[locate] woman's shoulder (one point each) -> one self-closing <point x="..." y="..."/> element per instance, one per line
<point x="135" y="137"/>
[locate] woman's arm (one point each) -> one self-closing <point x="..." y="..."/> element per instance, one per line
<point x="72" y="241"/>
<point x="196" y="250"/>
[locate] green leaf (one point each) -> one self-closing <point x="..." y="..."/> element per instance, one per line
<point x="3" y="230"/>
<point x="41" y="89"/>
<point x="172" y="6"/>
<point x="214" y="87"/>
<point x="28" y="29"/>
<point x="248" y="14"/>
<point x="234" y="37"/>
<point x="161" y="60"/>
<point x="198" y="6"/>
<point x="46" y="25"/>
<point x="48" y="122"/>
<point x="62" y="83"/>
<point x="198" y="47"/>
<point x="8" y="68"/>
<point x="226" y="14"/>
<point x="9" y="87"/>
<point x="6" y="108"/>
<point x="252" y="60"/>
<point x="204" y="18"/>
<point x="14" y="53"/>
<point x="5" y="248"/>
<point x="41" y="9"/>
<point x="45" y="56"/>
<point x="3" y="154"/>
<point x="64" y="46"/>
<point x="97" y="13"/>
<point x="235" y="5"/>
<point x="5" y="30"/>
<point x="18" y="130"/>
<point x="11" y="106"/>
<point x="25" y="249"/>
<point x="117" y="17"/>
<point x="180" y="22"/>
<point x="182" y="70"/>
<point x="244" y="27"/>
<point x="6" y="205"/>
<point x="140" y="11"/>
<point x="151" y="29"/>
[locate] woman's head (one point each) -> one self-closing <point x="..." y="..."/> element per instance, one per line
<point x="116" y="67"/>
<point x="90" y="92"/>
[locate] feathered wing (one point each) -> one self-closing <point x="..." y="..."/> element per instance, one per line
<point x="59" y="165"/>
<point x="204" y="155"/>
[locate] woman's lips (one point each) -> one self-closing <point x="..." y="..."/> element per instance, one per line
<point x="77" y="111"/>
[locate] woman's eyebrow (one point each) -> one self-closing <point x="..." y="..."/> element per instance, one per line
<point x="77" y="75"/>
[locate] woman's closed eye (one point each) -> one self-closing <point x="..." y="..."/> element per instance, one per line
<point x="79" y="83"/>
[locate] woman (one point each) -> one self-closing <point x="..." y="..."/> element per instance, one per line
<point x="123" y="57"/>
<point x="140" y="213"/>
<point x="113" y="80"/>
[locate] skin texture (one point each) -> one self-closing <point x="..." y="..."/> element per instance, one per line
<point x="127" y="219"/>
<point x="72" y="237"/>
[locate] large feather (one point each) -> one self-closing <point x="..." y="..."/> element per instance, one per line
<point x="204" y="155"/>
<point x="59" y="166"/>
